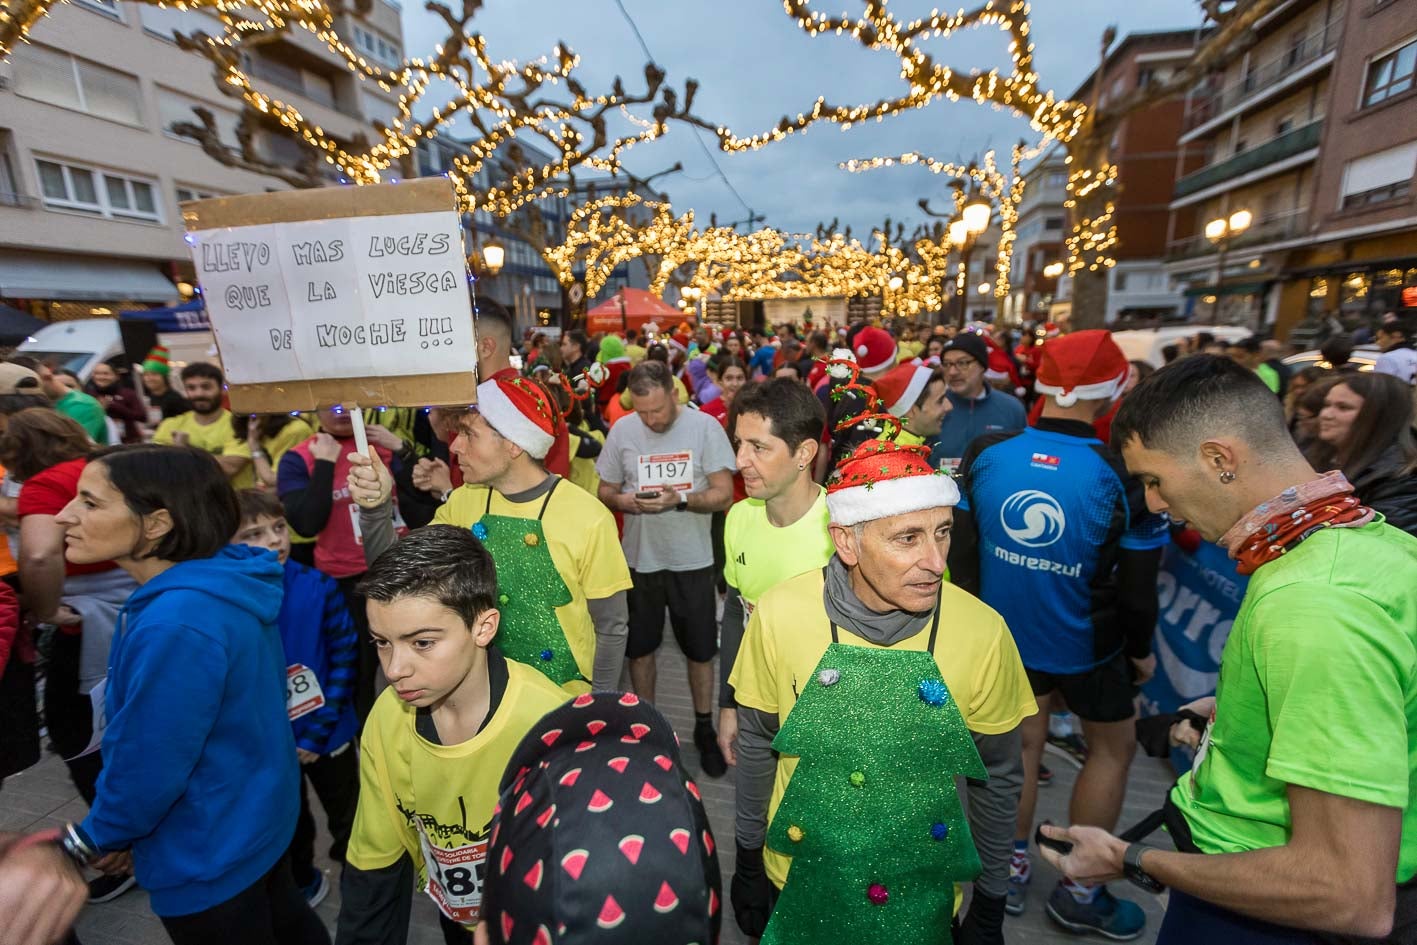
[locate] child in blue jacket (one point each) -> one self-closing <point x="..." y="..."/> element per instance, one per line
<point x="321" y="655"/>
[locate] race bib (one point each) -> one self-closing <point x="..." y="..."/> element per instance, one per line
<point x="399" y="525"/>
<point x="455" y="878"/>
<point x="303" y="694"/>
<point x="666" y="471"/>
<point x="747" y="608"/>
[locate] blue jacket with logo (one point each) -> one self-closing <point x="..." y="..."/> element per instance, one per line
<point x="1053" y="534"/>
<point x="995" y="412"/>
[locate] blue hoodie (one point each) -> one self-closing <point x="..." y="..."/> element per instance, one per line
<point x="199" y="775"/>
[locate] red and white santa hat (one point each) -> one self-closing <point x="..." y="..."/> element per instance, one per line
<point x="881" y="479"/>
<point x="875" y="350"/>
<point x="900" y="387"/>
<point x="1085" y="365"/>
<point x="520" y="411"/>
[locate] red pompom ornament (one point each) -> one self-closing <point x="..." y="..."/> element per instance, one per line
<point x="878" y="894"/>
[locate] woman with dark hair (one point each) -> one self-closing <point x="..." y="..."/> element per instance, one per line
<point x="200" y="784"/>
<point x="727" y="374"/>
<point x="1304" y="417"/>
<point x="1365" y="429"/>
<point x="1298" y="384"/>
<point x="47" y="452"/>
<point x="119" y="400"/>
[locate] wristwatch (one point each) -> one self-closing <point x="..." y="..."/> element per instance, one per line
<point x="683" y="505"/>
<point x="1132" y="869"/>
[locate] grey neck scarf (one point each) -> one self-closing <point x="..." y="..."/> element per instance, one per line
<point x="845" y="609"/>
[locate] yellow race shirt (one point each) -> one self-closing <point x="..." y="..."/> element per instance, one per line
<point x="584" y="545"/>
<point x="759" y="555"/>
<point x="789" y="631"/>
<point x="435" y="802"/>
<point x="294" y="433"/>
<point x="212" y="437"/>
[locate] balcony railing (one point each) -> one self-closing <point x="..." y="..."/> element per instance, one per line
<point x="1270" y="229"/>
<point x="1271" y="152"/>
<point x="1310" y="49"/>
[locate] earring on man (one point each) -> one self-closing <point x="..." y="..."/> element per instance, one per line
<point x="1227" y="477"/>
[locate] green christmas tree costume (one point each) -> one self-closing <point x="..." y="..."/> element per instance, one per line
<point x="529" y="591"/>
<point x="871" y="818"/>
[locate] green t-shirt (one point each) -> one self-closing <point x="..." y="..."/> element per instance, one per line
<point x="1270" y="377"/>
<point x="758" y="555"/>
<point x="1318" y="688"/>
<point x="86" y="412"/>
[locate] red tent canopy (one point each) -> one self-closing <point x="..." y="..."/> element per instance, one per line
<point x="632" y="308"/>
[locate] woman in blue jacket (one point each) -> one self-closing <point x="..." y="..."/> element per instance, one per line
<point x="200" y="776"/>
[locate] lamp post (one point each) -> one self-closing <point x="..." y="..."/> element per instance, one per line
<point x="693" y="295"/>
<point x="1220" y="232"/>
<point x="493" y="257"/>
<point x="964" y="232"/>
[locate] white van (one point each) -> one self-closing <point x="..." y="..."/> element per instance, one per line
<point x="82" y="343"/>
<point x="1145" y="344"/>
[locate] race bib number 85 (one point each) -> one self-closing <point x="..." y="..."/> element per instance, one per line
<point x="666" y="470"/>
<point x="455" y="878"/>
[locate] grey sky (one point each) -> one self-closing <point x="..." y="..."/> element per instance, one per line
<point x="754" y="65"/>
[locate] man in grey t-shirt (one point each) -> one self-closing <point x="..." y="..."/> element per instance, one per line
<point x="668" y="470"/>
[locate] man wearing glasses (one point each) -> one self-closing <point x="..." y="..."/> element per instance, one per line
<point x="976" y="408"/>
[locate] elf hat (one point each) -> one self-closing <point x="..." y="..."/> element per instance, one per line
<point x="1086" y="365"/>
<point x="875" y="349"/>
<point x="882" y="479"/>
<point x="520" y="411"/>
<point x="900" y="387"/>
<point x="158" y="361"/>
<point x="600" y="827"/>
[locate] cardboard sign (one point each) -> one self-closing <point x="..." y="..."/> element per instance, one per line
<point x="338" y="295"/>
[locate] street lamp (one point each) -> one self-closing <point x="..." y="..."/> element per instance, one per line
<point x="493" y="257"/>
<point x="1220" y="232"/>
<point x="976" y="215"/>
<point x="1053" y="270"/>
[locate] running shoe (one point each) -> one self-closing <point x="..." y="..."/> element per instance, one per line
<point x="1070" y="748"/>
<point x="1118" y="919"/>
<point x="1045" y="776"/>
<point x="109" y="888"/>
<point x="1018" y="895"/>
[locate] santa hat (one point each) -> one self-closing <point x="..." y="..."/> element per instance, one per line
<point x="1086" y="365"/>
<point x="520" y="411"/>
<point x="902" y="386"/>
<point x="882" y="479"/>
<point x="875" y="349"/>
<point x="158" y="361"/>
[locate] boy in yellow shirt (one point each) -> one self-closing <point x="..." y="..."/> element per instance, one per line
<point x="438" y="738"/>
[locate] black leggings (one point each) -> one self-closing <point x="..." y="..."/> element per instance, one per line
<point x="271" y="911"/>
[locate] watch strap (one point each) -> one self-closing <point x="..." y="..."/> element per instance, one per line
<point x="1132" y="868"/>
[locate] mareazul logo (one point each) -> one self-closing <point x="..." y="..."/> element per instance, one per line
<point x="1032" y="518"/>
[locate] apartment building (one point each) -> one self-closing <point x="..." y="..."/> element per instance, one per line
<point x="1038" y="239"/>
<point x="1255" y="128"/>
<point x="91" y="173"/>
<point x="1144" y="150"/>
<point x="1360" y="259"/>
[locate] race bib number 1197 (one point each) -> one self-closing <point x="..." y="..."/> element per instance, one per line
<point x="666" y="471"/>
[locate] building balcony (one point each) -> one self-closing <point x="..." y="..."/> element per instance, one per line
<point x="1272" y="152"/>
<point x="1271" y="229"/>
<point x="1267" y="80"/>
